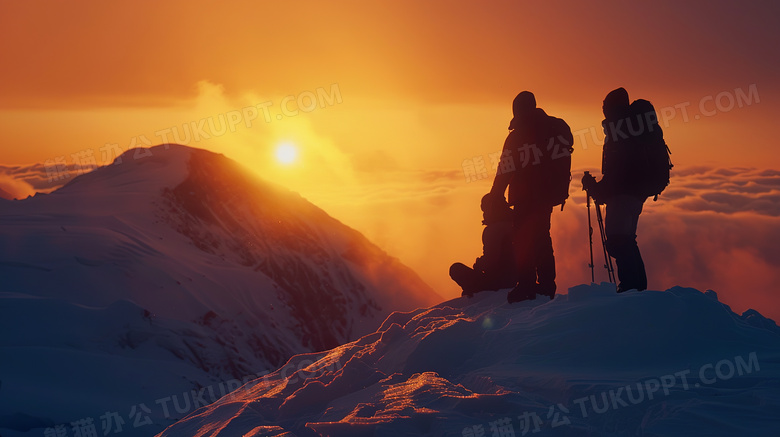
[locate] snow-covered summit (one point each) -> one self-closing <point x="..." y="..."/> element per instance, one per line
<point x="182" y="263"/>
<point x="591" y="362"/>
<point x="182" y="232"/>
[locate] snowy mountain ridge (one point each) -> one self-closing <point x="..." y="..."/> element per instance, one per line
<point x="588" y="363"/>
<point x="174" y="269"/>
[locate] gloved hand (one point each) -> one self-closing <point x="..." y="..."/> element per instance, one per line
<point x="479" y="264"/>
<point x="590" y="185"/>
<point x="589" y="182"/>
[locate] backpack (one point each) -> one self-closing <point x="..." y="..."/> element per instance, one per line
<point x="557" y="145"/>
<point x="541" y="149"/>
<point x="653" y="163"/>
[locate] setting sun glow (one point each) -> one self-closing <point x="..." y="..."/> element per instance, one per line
<point x="286" y="153"/>
<point x="390" y="121"/>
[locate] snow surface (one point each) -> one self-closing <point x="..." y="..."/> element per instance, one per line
<point x="173" y="270"/>
<point x="592" y="362"/>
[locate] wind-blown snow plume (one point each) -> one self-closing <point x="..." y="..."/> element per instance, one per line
<point x="11" y="188"/>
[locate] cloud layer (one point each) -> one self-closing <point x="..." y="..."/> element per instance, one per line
<point x="725" y="190"/>
<point x="20" y="181"/>
<point x="712" y="228"/>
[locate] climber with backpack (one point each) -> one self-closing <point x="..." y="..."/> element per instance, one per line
<point x="635" y="166"/>
<point x="536" y="166"/>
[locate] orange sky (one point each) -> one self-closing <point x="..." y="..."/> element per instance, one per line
<point x="410" y="89"/>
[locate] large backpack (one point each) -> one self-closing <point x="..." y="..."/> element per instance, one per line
<point x="557" y="145"/>
<point x="653" y="163"/>
<point x="541" y="149"/>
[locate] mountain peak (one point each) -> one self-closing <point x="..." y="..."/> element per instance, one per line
<point x="224" y="272"/>
<point x="176" y="202"/>
<point x="137" y="170"/>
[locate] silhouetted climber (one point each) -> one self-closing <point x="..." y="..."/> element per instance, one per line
<point x="495" y="269"/>
<point x="536" y="166"/>
<point x="635" y="165"/>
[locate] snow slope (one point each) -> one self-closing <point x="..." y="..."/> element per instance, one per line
<point x="592" y="362"/>
<point x="173" y="269"/>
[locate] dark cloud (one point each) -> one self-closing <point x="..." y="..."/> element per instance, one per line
<point x="769" y="181"/>
<point x="728" y="171"/>
<point x="678" y="193"/>
<point x="769" y="173"/>
<point x="693" y="170"/>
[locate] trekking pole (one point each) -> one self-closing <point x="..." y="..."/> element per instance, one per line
<point x="607" y="258"/>
<point x="609" y="262"/>
<point x="590" y="241"/>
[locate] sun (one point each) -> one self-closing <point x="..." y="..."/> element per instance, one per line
<point x="286" y="153"/>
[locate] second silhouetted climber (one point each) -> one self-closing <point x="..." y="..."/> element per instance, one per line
<point x="536" y="166"/>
